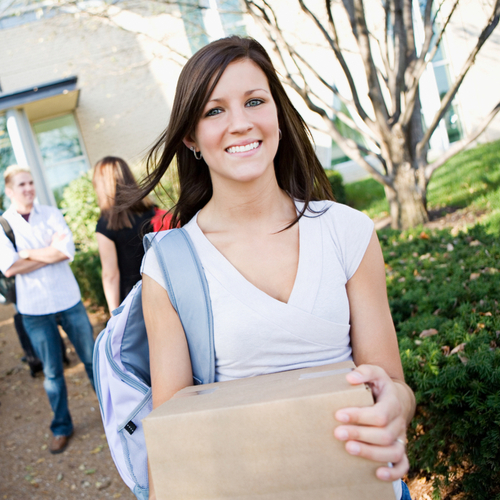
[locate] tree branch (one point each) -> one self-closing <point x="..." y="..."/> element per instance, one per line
<point x="396" y="77"/>
<point x="333" y="42"/>
<point x="423" y="61"/>
<point x="362" y="149"/>
<point x="106" y="15"/>
<point x="353" y="151"/>
<point x="5" y="5"/>
<point x="460" y="145"/>
<point x="447" y="99"/>
<point x="435" y="47"/>
<point x="360" y="31"/>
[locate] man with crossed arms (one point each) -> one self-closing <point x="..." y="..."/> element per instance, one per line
<point x="47" y="291"/>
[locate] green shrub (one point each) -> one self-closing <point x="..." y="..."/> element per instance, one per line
<point x="81" y="212"/>
<point x="79" y="205"/>
<point x="367" y="195"/>
<point x="450" y="284"/>
<point x="337" y="183"/>
<point x="86" y="267"/>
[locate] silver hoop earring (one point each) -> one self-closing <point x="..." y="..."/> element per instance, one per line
<point x="280" y="134"/>
<point x="193" y="149"/>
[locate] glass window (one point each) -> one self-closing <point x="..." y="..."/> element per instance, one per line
<point x="231" y="17"/>
<point x="6" y="158"/>
<point x="192" y="18"/>
<point x="440" y="66"/>
<point x="62" y="152"/>
<point x="230" y="14"/>
<point x="442" y="79"/>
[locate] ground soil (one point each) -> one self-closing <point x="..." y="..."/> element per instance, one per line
<point x="27" y="470"/>
<point x="85" y="470"/>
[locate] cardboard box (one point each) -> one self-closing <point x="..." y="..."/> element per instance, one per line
<point x="262" y="438"/>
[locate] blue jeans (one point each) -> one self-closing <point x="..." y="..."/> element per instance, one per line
<point x="405" y="494"/>
<point x="44" y="335"/>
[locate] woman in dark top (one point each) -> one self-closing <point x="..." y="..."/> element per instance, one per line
<point x="119" y="234"/>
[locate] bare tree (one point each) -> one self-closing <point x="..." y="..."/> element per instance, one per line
<point x="382" y="70"/>
<point x="393" y="65"/>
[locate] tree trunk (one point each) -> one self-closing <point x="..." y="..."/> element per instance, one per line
<point x="407" y="199"/>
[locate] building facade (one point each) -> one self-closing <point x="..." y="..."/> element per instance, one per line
<point x="77" y="85"/>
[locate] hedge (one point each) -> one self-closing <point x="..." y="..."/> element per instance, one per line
<point x="443" y="292"/>
<point x="337" y="183"/>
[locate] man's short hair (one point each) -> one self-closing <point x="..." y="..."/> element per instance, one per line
<point x="13" y="170"/>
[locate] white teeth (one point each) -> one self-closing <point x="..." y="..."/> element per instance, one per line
<point x="242" y="149"/>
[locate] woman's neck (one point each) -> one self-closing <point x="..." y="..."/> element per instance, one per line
<point x="261" y="204"/>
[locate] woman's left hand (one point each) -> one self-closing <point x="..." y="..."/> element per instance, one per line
<point x="377" y="432"/>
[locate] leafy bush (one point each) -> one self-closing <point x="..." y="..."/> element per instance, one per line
<point x="443" y="294"/>
<point x="86" y="267"/>
<point x="79" y="205"/>
<point x="81" y="212"/>
<point x="337" y="183"/>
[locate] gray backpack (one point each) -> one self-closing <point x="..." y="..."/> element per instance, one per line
<point x="121" y="355"/>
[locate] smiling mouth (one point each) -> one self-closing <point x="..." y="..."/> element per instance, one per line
<point x="243" y="149"/>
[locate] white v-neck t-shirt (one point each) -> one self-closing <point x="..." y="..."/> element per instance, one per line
<point x="255" y="334"/>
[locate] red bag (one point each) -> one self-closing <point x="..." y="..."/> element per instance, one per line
<point x="161" y="220"/>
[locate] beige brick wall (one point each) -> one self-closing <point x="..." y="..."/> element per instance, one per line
<point x="124" y="98"/>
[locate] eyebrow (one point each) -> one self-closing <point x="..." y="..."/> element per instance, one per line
<point x="248" y="92"/>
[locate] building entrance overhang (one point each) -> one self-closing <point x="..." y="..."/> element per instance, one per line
<point x="43" y="101"/>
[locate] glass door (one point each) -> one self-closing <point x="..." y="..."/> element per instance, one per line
<point x="62" y="152"/>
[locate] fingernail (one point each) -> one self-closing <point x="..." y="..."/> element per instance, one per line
<point x="342" y="434"/>
<point x="356" y="375"/>
<point x="353" y="448"/>
<point x="383" y="474"/>
<point x="343" y="417"/>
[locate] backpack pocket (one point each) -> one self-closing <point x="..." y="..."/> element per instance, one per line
<point x="133" y="442"/>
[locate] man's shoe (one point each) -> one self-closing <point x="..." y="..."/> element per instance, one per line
<point x="59" y="444"/>
<point x="35" y="366"/>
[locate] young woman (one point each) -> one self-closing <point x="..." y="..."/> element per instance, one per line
<point x="295" y="279"/>
<point x="119" y="234"/>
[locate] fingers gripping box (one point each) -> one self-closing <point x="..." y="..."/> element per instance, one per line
<point x="262" y="438"/>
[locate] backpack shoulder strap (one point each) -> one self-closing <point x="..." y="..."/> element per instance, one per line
<point x="188" y="290"/>
<point x="8" y="230"/>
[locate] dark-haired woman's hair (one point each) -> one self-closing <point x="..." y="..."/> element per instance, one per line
<point x="298" y="170"/>
<point x="112" y="176"/>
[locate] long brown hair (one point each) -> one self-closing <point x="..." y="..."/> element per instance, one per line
<point x="111" y="177"/>
<point x="298" y="170"/>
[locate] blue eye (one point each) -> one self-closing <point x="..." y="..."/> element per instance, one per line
<point x="214" y="112"/>
<point x="254" y="102"/>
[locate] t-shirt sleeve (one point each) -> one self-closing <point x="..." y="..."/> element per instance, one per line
<point x="102" y="227"/>
<point x="351" y="231"/>
<point x="151" y="267"/>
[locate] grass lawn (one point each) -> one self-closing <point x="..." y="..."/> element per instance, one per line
<point x="472" y="178"/>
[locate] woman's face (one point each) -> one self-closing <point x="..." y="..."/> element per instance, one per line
<point x="238" y="131"/>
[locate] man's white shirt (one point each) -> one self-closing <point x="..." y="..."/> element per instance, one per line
<point x="52" y="288"/>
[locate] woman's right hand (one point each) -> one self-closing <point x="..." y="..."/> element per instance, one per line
<point x="378" y="432"/>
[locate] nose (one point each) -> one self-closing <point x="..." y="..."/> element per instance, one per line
<point x="239" y="122"/>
